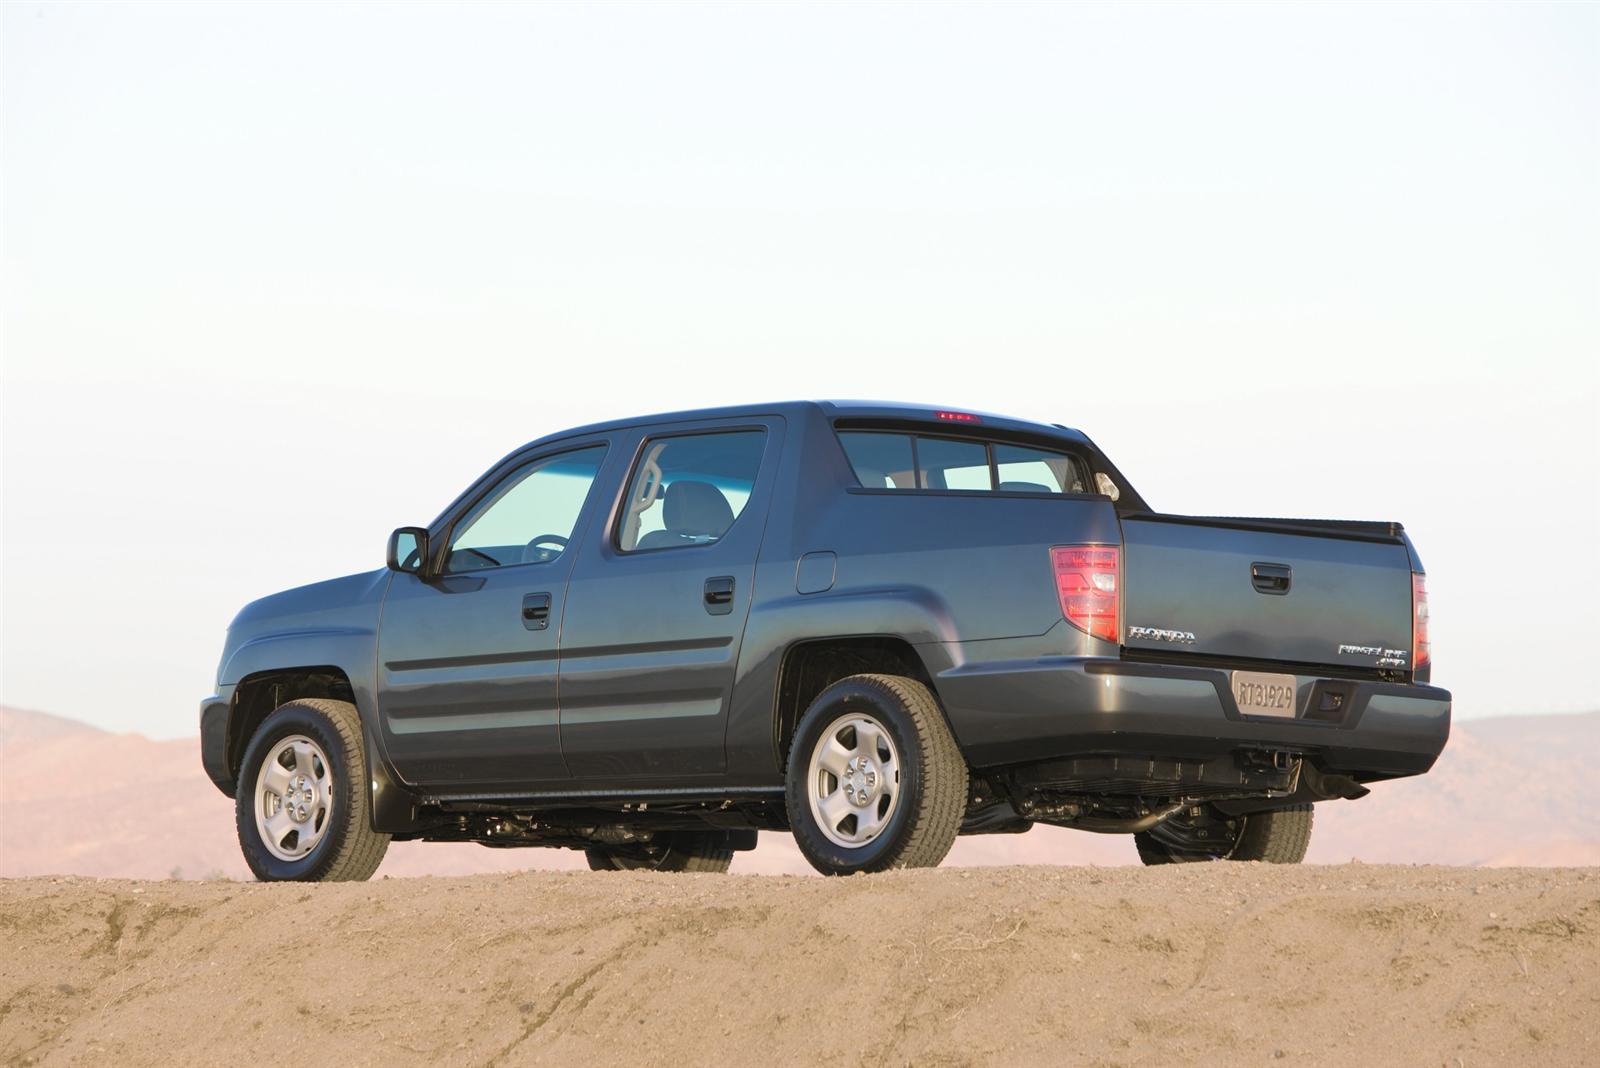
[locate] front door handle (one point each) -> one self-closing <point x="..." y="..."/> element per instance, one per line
<point x="1270" y="578"/>
<point x="719" y="595"/>
<point x="536" y="611"/>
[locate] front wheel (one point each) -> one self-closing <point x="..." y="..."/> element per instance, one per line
<point x="1280" y="836"/>
<point x="301" y="805"/>
<point x="875" y="780"/>
<point x="675" y="851"/>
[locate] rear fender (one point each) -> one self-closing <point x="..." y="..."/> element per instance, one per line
<point x="915" y="615"/>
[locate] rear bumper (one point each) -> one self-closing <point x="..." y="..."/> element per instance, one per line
<point x="214" y="742"/>
<point x="1024" y="711"/>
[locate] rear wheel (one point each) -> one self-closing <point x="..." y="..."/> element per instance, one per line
<point x="674" y="851"/>
<point x="1280" y="836"/>
<point x="301" y="805"/>
<point x="875" y="779"/>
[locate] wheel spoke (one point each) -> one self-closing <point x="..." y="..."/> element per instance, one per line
<point x="275" y="777"/>
<point x="889" y="775"/>
<point x="834" y="808"/>
<point x="279" y="824"/>
<point x="867" y="822"/>
<point x="834" y="757"/>
<point x="867" y="736"/>
<point x="304" y="760"/>
<point x="310" y="832"/>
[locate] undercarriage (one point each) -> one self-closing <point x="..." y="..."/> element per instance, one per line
<point x="623" y="825"/>
<point x="1135" y="795"/>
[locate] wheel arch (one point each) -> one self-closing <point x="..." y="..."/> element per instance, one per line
<point x="258" y="694"/>
<point x="812" y="665"/>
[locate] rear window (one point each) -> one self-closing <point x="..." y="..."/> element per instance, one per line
<point x="883" y="460"/>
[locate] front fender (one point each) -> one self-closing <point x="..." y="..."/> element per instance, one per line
<point x="349" y="650"/>
<point x="352" y="650"/>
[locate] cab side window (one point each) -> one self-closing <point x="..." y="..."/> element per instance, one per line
<point x="688" y="489"/>
<point x="1024" y="470"/>
<point x="529" y="516"/>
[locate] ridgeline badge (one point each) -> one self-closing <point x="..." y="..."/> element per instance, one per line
<point x="1386" y="657"/>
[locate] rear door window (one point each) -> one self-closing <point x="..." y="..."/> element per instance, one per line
<point x="688" y="489"/>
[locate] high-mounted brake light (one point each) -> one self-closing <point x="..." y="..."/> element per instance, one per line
<point x="1421" y="651"/>
<point x="957" y="417"/>
<point x="1086" y="581"/>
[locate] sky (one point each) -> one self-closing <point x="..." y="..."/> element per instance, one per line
<point x="277" y="279"/>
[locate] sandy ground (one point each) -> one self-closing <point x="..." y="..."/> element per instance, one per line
<point x="1204" y="964"/>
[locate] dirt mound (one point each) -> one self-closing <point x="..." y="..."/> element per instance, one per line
<point x="1209" y="964"/>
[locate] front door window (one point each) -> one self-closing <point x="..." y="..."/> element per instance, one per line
<point x="528" y="517"/>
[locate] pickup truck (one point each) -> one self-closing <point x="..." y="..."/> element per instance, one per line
<point x="873" y="626"/>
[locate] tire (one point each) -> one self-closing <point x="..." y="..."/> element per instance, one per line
<point x="910" y="815"/>
<point x="677" y="851"/>
<point x="1280" y="836"/>
<point x="321" y="769"/>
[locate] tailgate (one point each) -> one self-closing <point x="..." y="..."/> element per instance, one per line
<point x="1218" y="588"/>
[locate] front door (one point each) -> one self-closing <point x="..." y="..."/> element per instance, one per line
<point x="467" y="665"/>
<point x="657" y="604"/>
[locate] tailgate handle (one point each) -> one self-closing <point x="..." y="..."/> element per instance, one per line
<point x="1271" y="578"/>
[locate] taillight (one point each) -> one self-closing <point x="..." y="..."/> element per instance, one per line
<point x="1421" y="652"/>
<point x="1086" y="581"/>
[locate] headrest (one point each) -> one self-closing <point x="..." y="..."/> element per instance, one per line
<point x="1024" y="487"/>
<point x="697" y="509"/>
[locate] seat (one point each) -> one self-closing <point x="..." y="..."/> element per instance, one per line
<point x="693" y="513"/>
<point x="1023" y="487"/>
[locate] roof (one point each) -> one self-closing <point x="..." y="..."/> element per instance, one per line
<point x="836" y="409"/>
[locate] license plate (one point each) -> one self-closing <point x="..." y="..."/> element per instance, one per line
<point x="1260" y="694"/>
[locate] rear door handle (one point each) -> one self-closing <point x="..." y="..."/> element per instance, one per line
<point x="536" y="611"/>
<point x="1271" y="578"/>
<point x="719" y="595"/>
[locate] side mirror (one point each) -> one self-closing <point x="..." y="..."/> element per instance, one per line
<point x="408" y="550"/>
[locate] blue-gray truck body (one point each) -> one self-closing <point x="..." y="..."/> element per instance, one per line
<point x="584" y="674"/>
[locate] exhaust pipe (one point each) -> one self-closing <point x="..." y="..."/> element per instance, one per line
<point x="1325" y="786"/>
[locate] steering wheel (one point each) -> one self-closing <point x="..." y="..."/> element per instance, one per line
<point x="532" y="553"/>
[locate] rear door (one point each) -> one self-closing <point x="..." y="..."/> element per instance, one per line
<point x="1211" y="587"/>
<point x="657" y="604"/>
